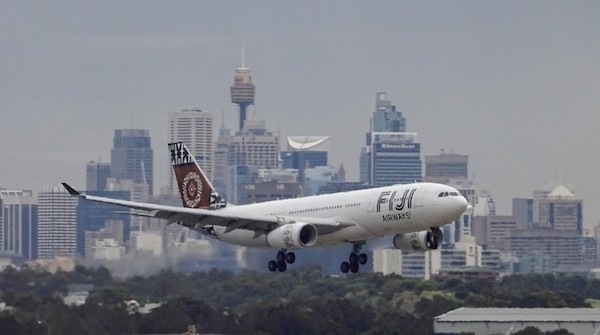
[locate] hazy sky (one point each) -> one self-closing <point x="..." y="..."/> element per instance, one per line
<point x="513" y="84"/>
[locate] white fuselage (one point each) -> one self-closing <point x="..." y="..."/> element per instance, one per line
<point x="367" y="214"/>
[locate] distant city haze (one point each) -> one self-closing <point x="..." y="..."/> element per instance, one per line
<point x="514" y="85"/>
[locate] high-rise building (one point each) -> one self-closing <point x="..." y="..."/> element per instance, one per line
<point x="444" y="167"/>
<point x="563" y="247"/>
<point x="132" y="156"/>
<point x="395" y="159"/>
<point x="522" y="211"/>
<point x="386" y="118"/>
<point x="194" y="127"/>
<point x="242" y="90"/>
<point x="391" y="155"/>
<point x="96" y="175"/>
<point x="241" y="155"/>
<point x="561" y="210"/>
<point x="57" y="223"/>
<point x="254" y="146"/>
<point x="18" y="223"/>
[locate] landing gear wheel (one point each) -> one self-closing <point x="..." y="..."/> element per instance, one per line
<point x="280" y="257"/>
<point x="290" y="257"/>
<point x="345" y="267"/>
<point x="354" y="267"/>
<point x="362" y="258"/>
<point x="281" y="266"/>
<point x="272" y="266"/>
<point x="353" y="258"/>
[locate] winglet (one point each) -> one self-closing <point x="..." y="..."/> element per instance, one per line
<point x="71" y="190"/>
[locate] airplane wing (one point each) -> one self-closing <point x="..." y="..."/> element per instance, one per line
<point x="196" y="218"/>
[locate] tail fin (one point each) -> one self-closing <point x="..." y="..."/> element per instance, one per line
<point x="195" y="189"/>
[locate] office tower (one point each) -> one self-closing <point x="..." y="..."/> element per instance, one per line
<point x="561" y="210"/>
<point x="386" y="118"/>
<point x="305" y="152"/>
<point x="395" y="158"/>
<point x="242" y="90"/>
<point x="241" y="155"/>
<point x="132" y="157"/>
<point x="562" y="247"/>
<point x="538" y="195"/>
<point x="445" y="167"/>
<point x="254" y="146"/>
<point x="391" y="155"/>
<point x="522" y="211"/>
<point x="194" y="127"/>
<point x="57" y="220"/>
<point x="18" y="223"/>
<point x="96" y="175"/>
<point x="92" y="217"/>
<point x="493" y="231"/>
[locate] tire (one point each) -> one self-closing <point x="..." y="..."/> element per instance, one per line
<point x="345" y="267"/>
<point x="362" y="259"/>
<point x="272" y="266"/>
<point x="354" y="267"/>
<point x="290" y="258"/>
<point x="280" y="257"/>
<point x="353" y="258"/>
<point x="281" y="266"/>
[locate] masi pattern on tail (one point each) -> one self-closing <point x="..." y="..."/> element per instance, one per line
<point x="195" y="189"/>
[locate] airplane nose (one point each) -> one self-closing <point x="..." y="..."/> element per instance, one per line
<point x="461" y="204"/>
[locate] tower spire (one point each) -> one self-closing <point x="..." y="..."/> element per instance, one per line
<point x="242" y="90"/>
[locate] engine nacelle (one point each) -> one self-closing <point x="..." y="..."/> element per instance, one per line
<point x="293" y="235"/>
<point x="419" y="241"/>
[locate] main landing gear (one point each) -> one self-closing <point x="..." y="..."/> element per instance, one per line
<point x="434" y="238"/>
<point x="283" y="258"/>
<point x="355" y="258"/>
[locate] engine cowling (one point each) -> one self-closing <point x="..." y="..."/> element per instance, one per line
<point x="296" y="235"/>
<point x="419" y="241"/>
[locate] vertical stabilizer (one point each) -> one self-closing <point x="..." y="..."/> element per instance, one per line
<point x="195" y="189"/>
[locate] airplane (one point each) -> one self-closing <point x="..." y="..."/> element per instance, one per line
<point x="413" y="213"/>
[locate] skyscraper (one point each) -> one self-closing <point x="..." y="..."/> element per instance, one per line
<point x="391" y="155"/>
<point x="444" y="167"/>
<point x="96" y="175"/>
<point x="561" y="210"/>
<point x="56" y="223"/>
<point x="386" y="118"/>
<point x="18" y="223"/>
<point x="194" y="127"/>
<point x="242" y="90"/>
<point x="241" y="155"/>
<point x="132" y="156"/>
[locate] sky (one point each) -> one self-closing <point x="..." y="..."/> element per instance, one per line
<point x="515" y="85"/>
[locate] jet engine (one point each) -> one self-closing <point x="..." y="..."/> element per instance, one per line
<point x="293" y="235"/>
<point x="419" y="241"/>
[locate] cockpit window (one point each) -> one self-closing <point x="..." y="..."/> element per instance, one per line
<point x="454" y="194"/>
<point x="447" y="194"/>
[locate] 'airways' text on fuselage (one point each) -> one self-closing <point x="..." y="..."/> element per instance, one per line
<point x="396" y="216"/>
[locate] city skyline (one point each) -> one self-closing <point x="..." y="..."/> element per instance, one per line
<point x="512" y="85"/>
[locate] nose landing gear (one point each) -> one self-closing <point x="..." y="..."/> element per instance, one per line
<point x="280" y="263"/>
<point x="354" y="259"/>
